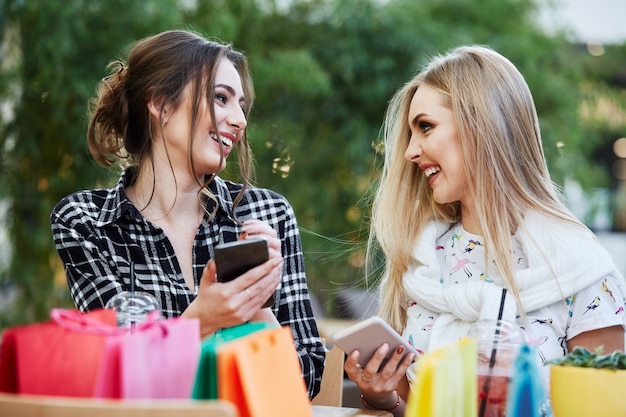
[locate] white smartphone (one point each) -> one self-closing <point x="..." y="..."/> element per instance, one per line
<point x="367" y="336"/>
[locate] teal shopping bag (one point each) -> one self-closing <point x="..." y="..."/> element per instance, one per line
<point x="205" y="386"/>
<point x="527" y="396"/>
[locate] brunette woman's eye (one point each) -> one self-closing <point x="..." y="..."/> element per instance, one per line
<point x="221" y="97"/>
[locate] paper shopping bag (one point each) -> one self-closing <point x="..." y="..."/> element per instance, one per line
<point x="51" y="358"/>
<point x="527" y="395"/>
<point x="260" y="373"/>
<point x="157" y="360"/>
<point x="446" y="382"/>
<point x="205" y="386"/>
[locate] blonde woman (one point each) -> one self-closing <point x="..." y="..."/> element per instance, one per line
<point x="466" y="208"/>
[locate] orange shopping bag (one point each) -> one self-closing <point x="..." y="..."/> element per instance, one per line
<point x="260" y="373"/>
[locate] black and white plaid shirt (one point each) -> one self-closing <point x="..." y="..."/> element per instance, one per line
<point x="98" y="233"/>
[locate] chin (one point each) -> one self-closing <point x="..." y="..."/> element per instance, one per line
<point x="210" y="164"/>
<point x="444" y="200"/>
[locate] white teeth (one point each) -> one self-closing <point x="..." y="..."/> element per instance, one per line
<point x="225" y="141"/>
<point x="431" y="171"/>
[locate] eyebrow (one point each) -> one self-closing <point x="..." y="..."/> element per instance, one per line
<point x="415" y="120"/>
<point x="231" y="91"/>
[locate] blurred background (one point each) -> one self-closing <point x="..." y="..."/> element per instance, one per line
<point x="324" y="71"/>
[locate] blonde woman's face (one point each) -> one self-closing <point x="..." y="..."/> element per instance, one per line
<point x="434" y="146"/>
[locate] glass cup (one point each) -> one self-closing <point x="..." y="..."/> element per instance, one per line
<point x="498" y="343"/>
<point x="132" y="308"/>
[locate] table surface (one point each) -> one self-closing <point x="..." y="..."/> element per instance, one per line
<point x="326" y="411"/>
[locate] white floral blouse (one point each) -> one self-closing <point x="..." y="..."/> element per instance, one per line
<point x="462" y="257"/>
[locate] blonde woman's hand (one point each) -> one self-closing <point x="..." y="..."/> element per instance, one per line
<point x="379" y="386"/>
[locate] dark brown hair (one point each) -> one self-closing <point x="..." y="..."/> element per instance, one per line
<point x="160" y="67"/>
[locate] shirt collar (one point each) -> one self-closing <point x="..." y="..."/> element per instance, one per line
<point x="117" y="204"/>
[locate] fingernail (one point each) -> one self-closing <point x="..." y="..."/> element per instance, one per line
<point x="400" y="349"/>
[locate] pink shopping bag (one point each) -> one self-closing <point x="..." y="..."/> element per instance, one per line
<point x="157" y="360"/>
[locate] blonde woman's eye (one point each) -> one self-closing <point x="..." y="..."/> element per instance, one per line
<point x="425" y="127"/>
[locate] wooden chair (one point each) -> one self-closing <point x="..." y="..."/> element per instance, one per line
<point x="331" y="390"/>
<point x="39" y="406"/>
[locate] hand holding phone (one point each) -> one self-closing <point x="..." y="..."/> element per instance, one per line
<point x="233" y="259"/>
<point x="367" y="336"/>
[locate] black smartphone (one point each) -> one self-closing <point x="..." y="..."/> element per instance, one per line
<point x="235" y="258"/>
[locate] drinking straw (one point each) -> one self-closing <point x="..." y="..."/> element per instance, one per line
<point x="132" y="278"/>
<point x="132" y="293"/>
<point x="492" y="359"/>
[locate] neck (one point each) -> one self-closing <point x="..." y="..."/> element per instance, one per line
<point x="470" y="221"/>
<point x="165" y="194"/>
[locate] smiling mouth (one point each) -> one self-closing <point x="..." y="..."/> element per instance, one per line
<point x="429" y="172"/>
<point x="225" y="141"/>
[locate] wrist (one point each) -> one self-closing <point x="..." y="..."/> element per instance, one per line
<point x="388" y="405"/>
<point x="206" y="329"/>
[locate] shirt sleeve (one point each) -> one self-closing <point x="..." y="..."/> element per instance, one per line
<point x="598" y="306"/>
<point x="293" y="304"/>
<point x="91" y="279"/>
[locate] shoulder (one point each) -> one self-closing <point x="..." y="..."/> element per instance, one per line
<point x="255" y="200"/>
<point x="266" y="197"/>
<point x="96" y="207"/>
<point x="536" y="223"/>
<point x="86" y="204"/>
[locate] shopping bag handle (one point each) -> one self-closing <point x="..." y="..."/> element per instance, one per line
<point x="76" y="321"/>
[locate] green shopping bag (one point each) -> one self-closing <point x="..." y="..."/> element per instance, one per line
<point x="205" y="386"/>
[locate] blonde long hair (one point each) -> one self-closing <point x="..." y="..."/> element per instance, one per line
<point x="503" y="161"/>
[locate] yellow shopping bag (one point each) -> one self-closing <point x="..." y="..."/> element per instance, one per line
<point x="446" y="382"/>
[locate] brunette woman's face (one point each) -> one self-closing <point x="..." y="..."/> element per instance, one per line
<point x="434" y="146"/>
<point x="230" y="121"/>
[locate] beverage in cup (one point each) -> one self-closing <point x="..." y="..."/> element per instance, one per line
<point x="132" y="307"/>
<point x="498" y="343"/>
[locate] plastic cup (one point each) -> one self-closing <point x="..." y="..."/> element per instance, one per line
<point x="498" y="344"/>
<point x="132" y="308"/>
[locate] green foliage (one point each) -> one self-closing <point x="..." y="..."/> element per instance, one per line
<point x="584" y="358"/>
<point x="324" y="71"/>
<point x="45" y="151"/>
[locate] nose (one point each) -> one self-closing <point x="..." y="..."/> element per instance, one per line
<point x="237" y="118"/>
<point x="413" y="150"/>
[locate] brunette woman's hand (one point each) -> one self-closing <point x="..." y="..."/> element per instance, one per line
<point x="225" y="304"/>
<point x="258" y="229"/>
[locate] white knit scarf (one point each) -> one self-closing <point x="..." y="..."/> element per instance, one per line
<point x="562" y="260"/>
